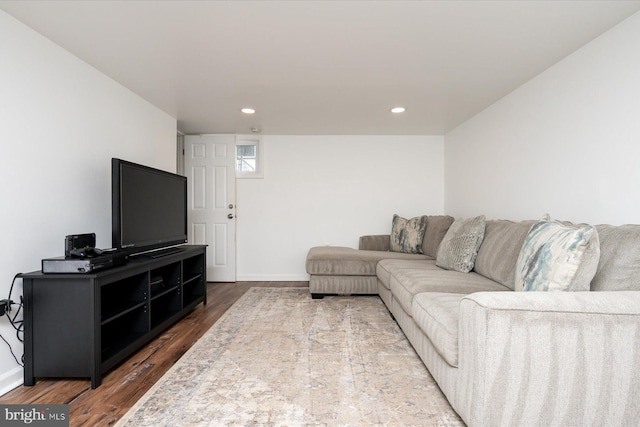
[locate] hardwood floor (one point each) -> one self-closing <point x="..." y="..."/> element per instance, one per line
<point x="124" y="385"/>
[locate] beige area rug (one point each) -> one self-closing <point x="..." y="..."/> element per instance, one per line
<point x="279" y="358"/>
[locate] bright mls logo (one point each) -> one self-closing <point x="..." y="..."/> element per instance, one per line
<point x="34" y="415"/>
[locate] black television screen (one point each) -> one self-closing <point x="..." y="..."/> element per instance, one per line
<point x="149" y="207"/>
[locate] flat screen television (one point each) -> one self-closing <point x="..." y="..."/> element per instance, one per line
<point x="148" y="207"/>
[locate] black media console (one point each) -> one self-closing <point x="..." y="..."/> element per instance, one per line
<point x="82" y="325"/>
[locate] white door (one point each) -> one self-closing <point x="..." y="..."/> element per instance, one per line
<point x="210" y="170"/>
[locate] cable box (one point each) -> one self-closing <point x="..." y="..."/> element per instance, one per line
<point x="83" y="265"/>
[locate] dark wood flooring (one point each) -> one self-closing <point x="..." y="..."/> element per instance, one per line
<point x="125" y="384"/>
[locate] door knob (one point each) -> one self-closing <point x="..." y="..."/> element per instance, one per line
<point x="230" y="205"/>
<point x="230" y="216"/>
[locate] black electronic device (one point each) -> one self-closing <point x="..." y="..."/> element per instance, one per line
<point x="149" y="207"/>
<point x="84" y="264"/>
<point x="78" y="241"/>
<point x="85" y="252"/>
<point x="88" y="252"/>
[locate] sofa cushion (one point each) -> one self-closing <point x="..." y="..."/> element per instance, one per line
<point x="459" y="248"/>
<point x="437" y="227"/>
<point x="436" y="314"/>
<point x="386" y="267"/>
<point x="341" y="261"/>
<point x="500" y="248"/>
<point x="405" y="284"/>
<point x="557" y="257"/>
<point x="376" y="242"/>
<point x="619" y="264"/>
<point x="407" y="234"/>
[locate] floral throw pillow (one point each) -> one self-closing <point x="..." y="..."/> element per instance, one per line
<point x="407" y="234"/>
<point x="557" y="257"/>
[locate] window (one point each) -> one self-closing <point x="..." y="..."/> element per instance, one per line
<point x="249" y="157"/>
<point x="246" y="158"/>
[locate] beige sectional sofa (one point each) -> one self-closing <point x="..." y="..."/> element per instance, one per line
<point x="506" y="358"/>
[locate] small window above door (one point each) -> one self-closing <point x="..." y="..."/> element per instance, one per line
<point x="249" y="157"/>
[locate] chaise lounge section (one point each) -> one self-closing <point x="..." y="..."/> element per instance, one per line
<point x="501" y="355"/>
<point x="340" y="270"/>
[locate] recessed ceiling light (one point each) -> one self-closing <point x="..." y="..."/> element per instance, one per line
<point x="248" y="110"/>
<point x="398" y="110"/>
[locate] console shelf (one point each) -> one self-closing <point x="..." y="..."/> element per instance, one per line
<point x="122" y="311"/>
<point x="82" y="325"/>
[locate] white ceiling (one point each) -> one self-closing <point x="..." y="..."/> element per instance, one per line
<point x="321" y="67"/>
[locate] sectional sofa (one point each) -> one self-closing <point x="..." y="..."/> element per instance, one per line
<point x="502" y="355"/>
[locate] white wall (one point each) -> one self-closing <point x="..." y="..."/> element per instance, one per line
<point x="62" y="121"/>
<point x="321" y="190"/>
<point x="566" y="143"/>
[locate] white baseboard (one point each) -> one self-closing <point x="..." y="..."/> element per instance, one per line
<point x="11" y="379"/>
<point x="272" y="278"/>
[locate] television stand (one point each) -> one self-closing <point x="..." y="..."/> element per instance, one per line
<point x="82" y="325"/>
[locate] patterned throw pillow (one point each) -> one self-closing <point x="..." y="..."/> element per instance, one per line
<point x="459" y="248"/>
<point x="557" y="257"/>
<point x="407" y="234"/>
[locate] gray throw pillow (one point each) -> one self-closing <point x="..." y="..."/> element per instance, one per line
<point x="407" y="234"/>
<point x="459" y="248"/>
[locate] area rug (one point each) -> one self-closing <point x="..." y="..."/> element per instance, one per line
<point x="279" y="358"/>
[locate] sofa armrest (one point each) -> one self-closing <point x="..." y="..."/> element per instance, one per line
<point x="623" y="303"/>
<point x="545" y="358"/>
<point x="378" y="242"/>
